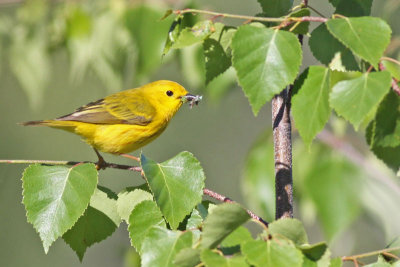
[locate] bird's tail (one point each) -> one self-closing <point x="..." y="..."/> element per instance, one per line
<point x="38" y="123"/>
<point x="32" y="123"/>
<point x="66" y="125"/>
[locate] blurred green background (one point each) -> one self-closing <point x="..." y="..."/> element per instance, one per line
<point x="59" y="55"/>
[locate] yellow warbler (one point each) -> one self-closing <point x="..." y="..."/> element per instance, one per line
<point x="125" y="121"/>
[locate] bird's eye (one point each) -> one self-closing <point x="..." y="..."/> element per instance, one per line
<point x="169" y="93"/>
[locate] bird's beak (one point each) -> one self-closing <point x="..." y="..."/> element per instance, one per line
<point x="192" y="99"/>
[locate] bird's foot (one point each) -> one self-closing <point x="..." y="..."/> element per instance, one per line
<point x="101" y="163"/>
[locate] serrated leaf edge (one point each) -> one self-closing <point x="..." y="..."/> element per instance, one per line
<point x="26" y="213"/>
<point x="130" y="239"/>
<point x="256" y="110"/>
<point x="203" y="184"/>
<point x="354" y="52"/>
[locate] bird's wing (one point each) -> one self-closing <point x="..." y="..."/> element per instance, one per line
<point x="115" y="109"/>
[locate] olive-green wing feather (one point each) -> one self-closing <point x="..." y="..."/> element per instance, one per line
<point x="129" y="107"/>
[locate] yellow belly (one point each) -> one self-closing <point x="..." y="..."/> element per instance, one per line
<point x="116" y="138"/>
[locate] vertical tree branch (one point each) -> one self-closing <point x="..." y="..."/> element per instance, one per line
<point x="283" y="155"/>
<point x="283" y="150"/>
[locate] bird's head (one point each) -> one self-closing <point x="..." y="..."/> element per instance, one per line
<point x="171" y="95"/>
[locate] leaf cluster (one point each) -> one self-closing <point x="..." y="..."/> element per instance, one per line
<point x="352" y="81"/>
<point x="168" y="222"/>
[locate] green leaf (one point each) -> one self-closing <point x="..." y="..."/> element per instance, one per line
<point x="237" y="237"/>
<point x="336" y="262"/>
<point x="338" y="76"/>
<point x="354" y="8"/>
<point x="355" y="99"/>
<point x="216" y="60"/>
<point x="98" y="222"/>
<point x="259" y="177"/>
<point x="144" y="216"/>
<point x="105" y="201"/>
<point x="203" y="208"/>
<point x="195" y="220"/>
<point x="386" y="125"/>
<point x="334" y="192"/>
<point x="217" y="55"/>
<point x="393" y="68"/>
<point x="161" y="246"/>
<point x="292" y="229"/>
<point x="128" y="199"/>
<point x="177" y="185"/>
<point x="193" y="224"/>
<point x="223" y="34"/>
<point x="272" y="253"/>
<point x="194" y="35"/>
<point x="310" y="105"/>
<point x="211" y="259"/>
<point x="275" y="8"/>
<point x="314" y="252"/>
<point x="317" y="255"/>
<point x="56" y="196"/>
<point x="222" y="221"/>
<point x="367" y="37"/>
<point x="110" y="194"/>
<point x="334" y="2"/>
<point x="328" y="50"/>
<point x="301" y="28"/>
<point x="380" y="263"/>
<point x="266" y="61"/>
<point x="389" y="155"/>
<point x="187" y="257"/>
<point x="173" y="33"/>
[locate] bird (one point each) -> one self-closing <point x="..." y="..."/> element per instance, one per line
<point x="125" y="121"/>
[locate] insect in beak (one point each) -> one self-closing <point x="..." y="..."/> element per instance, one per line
<point x="192" y="99"/>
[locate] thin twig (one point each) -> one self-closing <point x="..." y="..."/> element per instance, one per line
<point x="369" y="254"/>
<point x="105" y="165"/>
<point x="223" y="198"/>
<point x="390" y="255"/>
<point x="250" y="18"/>
<point x="316" y="11"/>
<point x="63" y="162"/>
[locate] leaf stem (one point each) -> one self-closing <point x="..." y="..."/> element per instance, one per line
<point x="369" y="254"/>
<point x="105" y="165"/>
<point x="316" y="11"/>
<point x="390" y="255"/>
<point x="391" y="60"/>
<point x="250" y="18"/>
